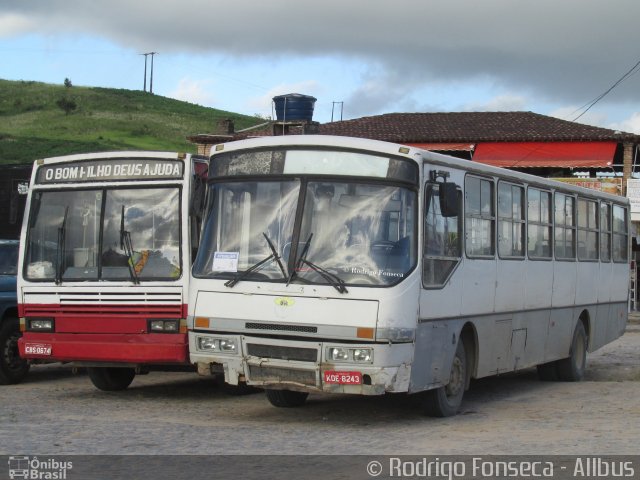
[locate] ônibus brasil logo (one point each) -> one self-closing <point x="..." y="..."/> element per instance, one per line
<point x="22" y="466"/>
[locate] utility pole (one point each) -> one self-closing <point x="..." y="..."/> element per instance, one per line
<point x="151" y="79"/>
<point x="144" y="88"/>
<point x="145" y="71"/>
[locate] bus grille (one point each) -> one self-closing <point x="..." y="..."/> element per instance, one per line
<point x="103" y="303"/>
<point x="281" y="328"/>
<point x="283" y="353"/>
<point x="282" y="375"/>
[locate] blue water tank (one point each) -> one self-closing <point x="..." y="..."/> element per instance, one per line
<point x="294" y="107"/>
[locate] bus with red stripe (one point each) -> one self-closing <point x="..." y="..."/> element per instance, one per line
<point x="106" y="247"/>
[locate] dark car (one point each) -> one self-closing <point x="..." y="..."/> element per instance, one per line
<point x="12" y="368"/>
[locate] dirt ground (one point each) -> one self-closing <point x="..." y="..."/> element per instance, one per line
<point x="57" y="412"/>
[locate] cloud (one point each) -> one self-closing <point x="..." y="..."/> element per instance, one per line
<point x="571" y="113"/>
<point x="194" y="91"/>
<point x="558" y="52"/>
<point x="14" y="24"/>
<point x="631" y="124"/>
<point x="508" y="102"/>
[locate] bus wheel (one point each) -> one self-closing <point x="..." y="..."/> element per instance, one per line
<point x="111" y="379"/>
<point x="571" y="369"/>
<point x="286" y="398"/>
<point x="240" y="389"/>
<point x="13" y="368"/>
<point x="445" y="401"/>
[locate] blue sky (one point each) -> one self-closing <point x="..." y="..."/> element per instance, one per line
<point x="375" y="57"/>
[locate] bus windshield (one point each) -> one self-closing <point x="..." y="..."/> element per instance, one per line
<point x="104" y="234"/>
<point x="344" y="233"/>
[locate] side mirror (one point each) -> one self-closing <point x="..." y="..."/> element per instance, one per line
<point x="448" y="193"/>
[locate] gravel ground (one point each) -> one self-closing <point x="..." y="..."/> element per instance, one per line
<point x="55" y="412"/>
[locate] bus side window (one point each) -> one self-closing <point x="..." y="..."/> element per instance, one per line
<point x="442" y="248"/>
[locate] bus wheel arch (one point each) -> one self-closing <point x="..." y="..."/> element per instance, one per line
<point x="585" y="318"/>
<point x="445" y="401"/>
<point x="572" y="368"/>
<point x="469" y="336"/>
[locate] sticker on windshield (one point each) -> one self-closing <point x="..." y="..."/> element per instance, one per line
<point x="225" y="261"/>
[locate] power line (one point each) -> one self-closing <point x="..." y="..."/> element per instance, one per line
<point x="606" y="92"/>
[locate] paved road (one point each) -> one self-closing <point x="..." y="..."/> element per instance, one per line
<point x="55" y="412"/>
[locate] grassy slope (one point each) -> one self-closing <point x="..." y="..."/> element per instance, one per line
<point x="33" y="126"/>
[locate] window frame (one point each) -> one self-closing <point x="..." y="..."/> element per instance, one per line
<point x="625" y="234"/>
<point x="522" y="221"/>
<point x="548" y="224"/>
<point x="565" y="227"/>
<point x="586" y="229"/>
<point x="429" y="189"/>
<point x="480" y="216"/>
<point x="606" y="231"/>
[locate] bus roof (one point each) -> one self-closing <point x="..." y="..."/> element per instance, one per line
<point x="417" y="154"/>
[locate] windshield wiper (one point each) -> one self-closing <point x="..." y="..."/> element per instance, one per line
<point x="302" y="256"/>
<point x="331" y="278"/>
<point x="60" y="251"/>
<point x="127" y="245"/>
<point x="253" y="268"/>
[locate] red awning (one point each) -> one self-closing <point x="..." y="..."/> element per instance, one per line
<point x="463" y="147"/>
<point x="546" y="154"/>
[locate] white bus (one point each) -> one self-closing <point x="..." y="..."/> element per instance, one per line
<point x="106" y="247"/>
<point x="341" y="265"/>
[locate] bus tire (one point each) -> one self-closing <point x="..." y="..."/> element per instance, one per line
<point x="446" y="401"/>
<point x="286" y="398"/>
<point x="13" y="368"/>
<point x="239" y="390"/>
<point x="111" y="379"/>
<point x="571" y="369"/>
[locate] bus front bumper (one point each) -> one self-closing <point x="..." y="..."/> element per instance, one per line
<point x="303" y="366"/>
<point x="148" y="348"/>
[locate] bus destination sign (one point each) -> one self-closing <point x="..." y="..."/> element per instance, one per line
<point x="110" y="170"/>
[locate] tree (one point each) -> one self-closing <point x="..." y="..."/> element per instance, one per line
<point x="66" y="104"/>
<point x="67" y="83"/>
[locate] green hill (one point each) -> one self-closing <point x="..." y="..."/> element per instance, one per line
<point x="42" y="120"/>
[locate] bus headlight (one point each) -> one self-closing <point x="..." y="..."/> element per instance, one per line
<point x="40" y="324"/>
<point x="219" y="345"/>
<point x="363" y="355"/>
<point x="164" y="326"/>
<point x="337" y="354"/>
<point x="350" y="355"/>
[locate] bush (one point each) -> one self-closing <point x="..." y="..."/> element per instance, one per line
<point x="66" y="104"/>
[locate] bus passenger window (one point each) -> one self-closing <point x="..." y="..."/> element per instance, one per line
<point x="620" y="234"/>
<point x="539" y="224"/>
<point x="605" y="232"/>
<point x="479" y="217"/>
<point x="442" y="248"/>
